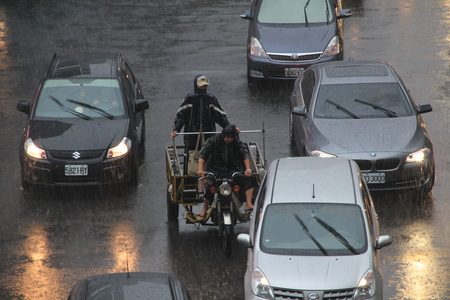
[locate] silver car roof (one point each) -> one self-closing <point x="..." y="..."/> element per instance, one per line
<point x="310" y="179"/>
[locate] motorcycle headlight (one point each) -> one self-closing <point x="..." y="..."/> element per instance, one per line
<point x="121" y="149"/>
<point x="34" y="151"/>
<point x="318" y="153"/>
<point x="256" y="49"/>
<point x="261" y="286"/>
<point x="366" y="286"/>
<point x="332" y="47"/>
<point x="225" y="189"/>
<point x="418" y="156"/>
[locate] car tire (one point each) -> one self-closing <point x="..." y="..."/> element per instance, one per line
<point x="142" y="144"/>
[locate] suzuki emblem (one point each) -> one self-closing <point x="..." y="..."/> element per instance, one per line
<point x="76" y="155"/>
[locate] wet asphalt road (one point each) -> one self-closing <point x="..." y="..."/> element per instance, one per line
<point x="47" y="244"/>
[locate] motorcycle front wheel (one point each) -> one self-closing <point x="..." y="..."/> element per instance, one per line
<point x="226" y="234"/>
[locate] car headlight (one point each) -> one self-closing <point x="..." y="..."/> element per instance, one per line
<point x="34" y="151"/>
<point x="256" y="49"/>
<point x="366" y="286"/>
<point x="260" y="285"/>
<point x="121" y="149"/>
<point x="418" y="156"/>
<point x="332" y="48"/>
<point x="318" y="153"/>
<point x="225" y="189"/>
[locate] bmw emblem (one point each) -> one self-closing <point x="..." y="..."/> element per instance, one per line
<point x="313" y="296"/>
<point x="76" y="155"/>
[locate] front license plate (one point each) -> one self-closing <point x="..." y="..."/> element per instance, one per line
<point x="76" y="170"/>
<point x="374" y="177"/>
<point x="292" y="72"/>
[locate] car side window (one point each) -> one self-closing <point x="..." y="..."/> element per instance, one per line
<point x="260" y="201"/>
<point x="307" y="86"/>
<point x="128" y="90"/>
<point x="368" y="209"/>
<point x="130" y="77"/>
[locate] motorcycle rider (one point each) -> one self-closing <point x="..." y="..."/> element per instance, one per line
<point x="225" y="153"/>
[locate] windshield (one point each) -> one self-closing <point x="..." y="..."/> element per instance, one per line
<point x="313" y="229"/>
<point x="85" y="98"/>
<point x="361" y="101"/>
<point x="294" y="11"/>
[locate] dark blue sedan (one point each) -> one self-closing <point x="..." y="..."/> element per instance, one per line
<point x="287" y="36"/>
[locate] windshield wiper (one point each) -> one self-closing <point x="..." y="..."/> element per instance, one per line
<point x="388" y="112"/>
<point x="306" y="230"/>
<point x="306" y="15"/>
<point x="343" y="109"/>
<point x="101" y="111"/>
<point x="338" y="236"/>
<point x="73" y="112"/>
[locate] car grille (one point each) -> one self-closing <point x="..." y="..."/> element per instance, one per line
<point x="284" y="294"/>
<point x="291" y="57"/>
<point x="384" y="164"/>
<point x="69" y="155"/>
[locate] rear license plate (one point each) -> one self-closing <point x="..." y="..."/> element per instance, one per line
<point x="374" y="177"/>
<point x="292" y="72"/>
<point x="76" y="170"/>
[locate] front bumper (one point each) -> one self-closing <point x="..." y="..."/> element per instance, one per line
<point x="99" y="172"/>
<point x="282" y="67"/>
<point x="398" y="175"/>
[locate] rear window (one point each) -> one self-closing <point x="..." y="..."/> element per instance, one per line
<point x="76" y="97"/>
<point x="295" y="11"/>
<point x="313" y="229"/>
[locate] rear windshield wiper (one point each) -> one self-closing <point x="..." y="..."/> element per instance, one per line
<point x="338" y="236"/>
<point x="343" y="109"/>
<point x="388" y="112"/>
<point x="306" y="230"/>
<point x="101" y="111"/>
<point x="73" y="112"/>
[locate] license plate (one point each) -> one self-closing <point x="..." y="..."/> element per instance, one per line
<point x="292" y="72"/>
<point x="374" y="177"/>
<point x="76" y="170"/>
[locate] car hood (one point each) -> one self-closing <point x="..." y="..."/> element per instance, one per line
<point x="338" y="136"/>
<point x="314" y="272"/>
<point x="294" y="39"/>
<point x="70" y="134"/>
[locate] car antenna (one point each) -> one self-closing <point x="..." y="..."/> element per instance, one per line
<point x="126" y="253"/>
<point x="314" y="193"/>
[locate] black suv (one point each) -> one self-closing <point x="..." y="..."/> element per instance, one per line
<point x="86" y="124"/>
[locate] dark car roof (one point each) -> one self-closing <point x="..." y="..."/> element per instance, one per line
<point x="91" y="65"/>
<point x="130" y="286"/>
<point x="338" y="72"/>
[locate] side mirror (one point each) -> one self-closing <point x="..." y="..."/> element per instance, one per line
<point x="244" y="240"/>
<point x="140" y="105"/>
<point x="383" y="241"/>
<point x="345" y="13"/>
<point x="424" y="108"/>
<point x="23" y="106"/>
<point x="246" y="15"/>
<point x="299" y="110"/>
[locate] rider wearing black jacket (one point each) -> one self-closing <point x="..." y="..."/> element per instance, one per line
<point x="225" y="153"/>
<point x="198" y="109"/>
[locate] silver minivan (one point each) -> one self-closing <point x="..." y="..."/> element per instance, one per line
<point x="314" y="233"/>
